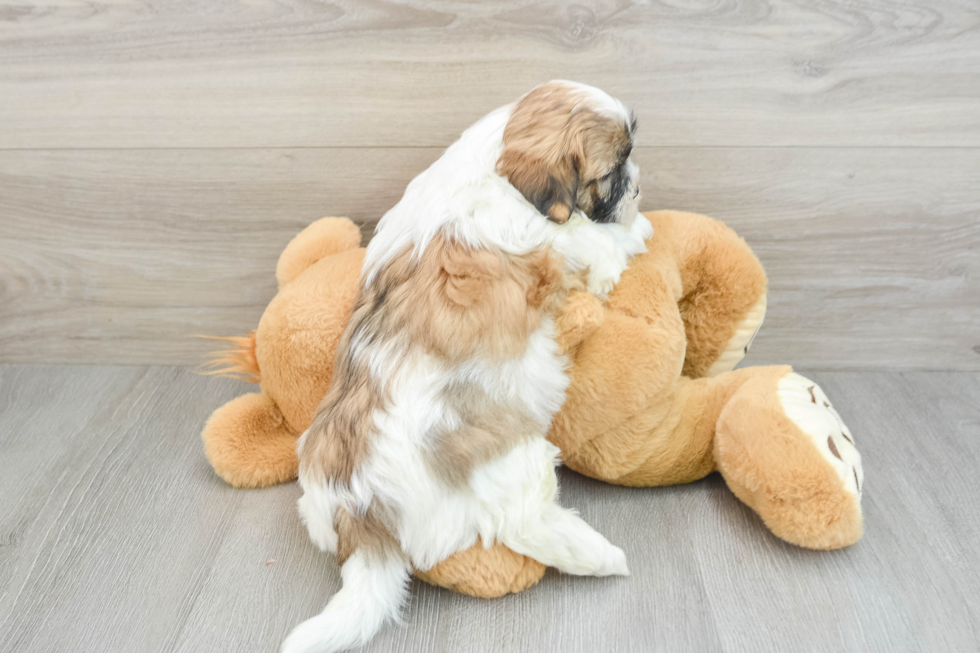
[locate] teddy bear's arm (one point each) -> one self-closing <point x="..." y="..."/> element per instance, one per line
<point x="723" y="289"/>
<point x="579" y="317"/>
<point x="628" y="418"/>
<point x="620" y="374"/>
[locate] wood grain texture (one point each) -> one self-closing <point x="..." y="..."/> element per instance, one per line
<point x="116" y="536"/>
<point x="120" y="256"/>
<point x="287" y="73"/>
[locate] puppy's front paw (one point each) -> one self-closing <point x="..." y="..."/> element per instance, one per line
<point x="602" y="287"/>
<point x="603" y="276"/>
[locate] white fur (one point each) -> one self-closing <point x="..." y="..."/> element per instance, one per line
<point x="603" y="250"/>
<point x="511" y="499"/>
<point x="319" y="524"/>
<point x="374" y="591"/>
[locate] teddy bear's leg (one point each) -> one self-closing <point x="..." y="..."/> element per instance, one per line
<point x="476" y="571"/>
<point x="325" y="237"/>
<point x="485" y="573"/>
<point x="249" y="444"/>
<point x="785" y="451"/>
<point x="723" y="297"/>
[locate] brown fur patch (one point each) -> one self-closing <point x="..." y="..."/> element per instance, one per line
<point x="468" y="302"/>
<point x="557" y="150"/>
<point x="579" y="317"/>
<point x="338" y="436"/>
<point x="368" y="534"/>
<point x="490" y="429"/>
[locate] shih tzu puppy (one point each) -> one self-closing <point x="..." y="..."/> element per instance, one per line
<point x="433" y="432"/>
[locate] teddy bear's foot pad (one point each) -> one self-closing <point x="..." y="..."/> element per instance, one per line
<point x="738" y="346"/>
<point x="806" y="404"/>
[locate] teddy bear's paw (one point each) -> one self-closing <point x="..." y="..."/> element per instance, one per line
<point x="805" y="403"/>
<point x="577" y="320"/>
<point x="738" y="346"/>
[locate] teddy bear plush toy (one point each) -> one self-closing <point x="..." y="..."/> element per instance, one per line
<point x="654" y="397"/>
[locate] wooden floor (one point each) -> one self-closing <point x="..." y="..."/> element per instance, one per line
<point x="116" y="536"/>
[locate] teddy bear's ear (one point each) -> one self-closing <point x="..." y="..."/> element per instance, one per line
<point x="552" y="189"/>
<point x="325" y="237"/>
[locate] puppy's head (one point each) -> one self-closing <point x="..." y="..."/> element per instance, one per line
<point x="566" y="148"/>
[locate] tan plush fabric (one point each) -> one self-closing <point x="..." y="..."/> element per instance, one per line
<point x="249" y="443"/>
<point x="782" y="476"/>
<point x="485" y="573"/>
<point x="638" y="412"/>
<point x="321" y="239"/>
<point x="631" y="417"/>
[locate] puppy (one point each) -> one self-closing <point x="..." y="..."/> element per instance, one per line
<point x="433" y="432"/>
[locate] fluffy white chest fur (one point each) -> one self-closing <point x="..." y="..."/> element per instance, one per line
<point x="403" y="480"/>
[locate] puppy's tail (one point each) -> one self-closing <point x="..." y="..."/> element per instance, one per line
<point x="374" y="592"/>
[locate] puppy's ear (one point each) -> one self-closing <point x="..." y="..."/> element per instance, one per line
<point x="468" y="273"/>
<point x="551" y="189"/>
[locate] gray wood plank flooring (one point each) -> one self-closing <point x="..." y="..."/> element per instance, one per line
<point x="116" y="536"/>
